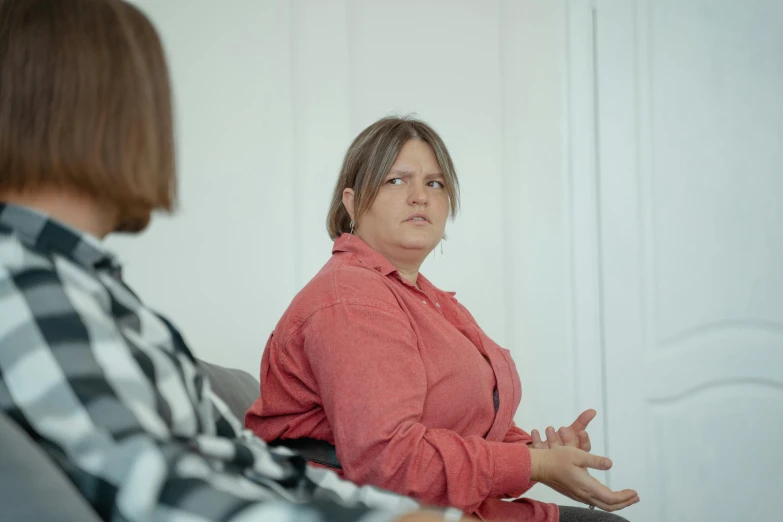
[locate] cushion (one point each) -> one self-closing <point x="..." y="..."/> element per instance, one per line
<point x="32" y="486"/>
<point x="237" y="388"/>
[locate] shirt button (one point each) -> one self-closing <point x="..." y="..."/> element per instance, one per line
<point x="425" y="302"/>
<point x="437" y="304"/>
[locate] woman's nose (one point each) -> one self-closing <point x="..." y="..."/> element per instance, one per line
<point x="418" y="194"/>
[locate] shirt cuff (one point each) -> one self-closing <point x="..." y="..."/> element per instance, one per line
<point x="512" y="469"/>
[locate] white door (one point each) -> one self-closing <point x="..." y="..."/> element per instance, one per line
<point x="688" y="106"/>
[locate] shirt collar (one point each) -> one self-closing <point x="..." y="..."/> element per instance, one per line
<point x="374" y="259"/>
<point x="427" y="286"/>
<point x="39" y="231"/>
<point x="364" y="253"/>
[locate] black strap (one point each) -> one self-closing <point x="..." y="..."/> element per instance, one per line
<point x="318" y="451"/>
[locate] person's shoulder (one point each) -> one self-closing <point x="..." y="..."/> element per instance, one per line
<point x="45" y="274"/>
<point x="340" y="282"/>
<point x="315" y="295"/>
<point x="345" y="279"/>
<point x="18" y="258"/>
<point x="355" y="283"/>
<point x="32" y="288"/>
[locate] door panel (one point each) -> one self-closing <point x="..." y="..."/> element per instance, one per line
<point x="690" y="176"/>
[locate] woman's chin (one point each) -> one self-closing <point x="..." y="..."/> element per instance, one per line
<point x="423" y="244"/>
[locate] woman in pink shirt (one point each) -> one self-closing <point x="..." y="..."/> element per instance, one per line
<point x="371" y="359"/>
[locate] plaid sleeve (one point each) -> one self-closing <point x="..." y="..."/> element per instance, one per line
<point x="117" y="414"/>
<point x="324" y="484"/>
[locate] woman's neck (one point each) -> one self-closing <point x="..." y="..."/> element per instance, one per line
<point x="407" y="264"/>
<point x="410" y="275"/>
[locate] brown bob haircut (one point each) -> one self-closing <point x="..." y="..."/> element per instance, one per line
<point x="85" y="105"/>
<point x="369" y="160"/>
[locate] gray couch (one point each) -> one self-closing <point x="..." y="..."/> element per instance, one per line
<point x="33" y="488"/>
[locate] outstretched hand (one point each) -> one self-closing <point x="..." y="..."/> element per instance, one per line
<point x="574" y="436"/>
<point x="564" y="469"/>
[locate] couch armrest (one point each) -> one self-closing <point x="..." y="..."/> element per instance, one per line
<point x="32" y="486"/>
<point x="237" y="388"/>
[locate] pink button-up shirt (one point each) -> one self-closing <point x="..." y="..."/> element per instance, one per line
<point x="400" y="379"/>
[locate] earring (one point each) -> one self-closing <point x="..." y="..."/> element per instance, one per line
<point x="350" y="232"/>
<point x="441" y="249"/>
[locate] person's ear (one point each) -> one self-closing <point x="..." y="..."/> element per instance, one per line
<point x="348" y="201"/>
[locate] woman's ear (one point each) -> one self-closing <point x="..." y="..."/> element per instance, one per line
<point x="348" y="201"/>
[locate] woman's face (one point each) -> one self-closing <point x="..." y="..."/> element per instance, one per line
<point x="408" y="217"/>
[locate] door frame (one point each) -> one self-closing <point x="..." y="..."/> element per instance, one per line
<point x="582" y="171"/>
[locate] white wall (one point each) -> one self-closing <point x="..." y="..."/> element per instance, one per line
<point x="269" y="95"/>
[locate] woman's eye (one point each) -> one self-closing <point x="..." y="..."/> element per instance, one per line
<point x="394" y="181"/>
<point x="436" y="184"/>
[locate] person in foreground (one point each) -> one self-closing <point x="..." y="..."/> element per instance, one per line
<point x="395" y="373"/>
<point x="107" y="387"/>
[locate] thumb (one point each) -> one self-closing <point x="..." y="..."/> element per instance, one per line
<point x="595" y="461"/>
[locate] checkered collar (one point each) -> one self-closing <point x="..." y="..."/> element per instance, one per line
<point x="39" y="231"/>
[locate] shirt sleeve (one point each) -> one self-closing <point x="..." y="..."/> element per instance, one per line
<point x="372" y="383"/>
<point x="516" y="434"/>
<point x="119" y="415"/>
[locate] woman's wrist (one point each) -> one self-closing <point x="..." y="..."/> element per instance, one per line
<point x="538" y="463"/>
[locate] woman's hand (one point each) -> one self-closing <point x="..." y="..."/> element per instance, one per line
<point x="564" y="469"/>
<point x="574" y="435"/>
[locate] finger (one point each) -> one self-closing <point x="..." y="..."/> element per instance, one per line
<point x="552" y="438"/>
<point x="541" y="444"/>
<point x="601" y="493"/>
<point x="581" y="422"/>
<point x="603" y="497"/>
<point x="584" y="441"/>
<point x="614" y="507"/>
<point x="588" y="460"/>
<point x="537" y="442"/>
<point x="568" y="436"/>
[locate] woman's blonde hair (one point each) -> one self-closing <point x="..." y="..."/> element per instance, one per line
<point x="369" y="160"/>
<point x="85" y="105"/>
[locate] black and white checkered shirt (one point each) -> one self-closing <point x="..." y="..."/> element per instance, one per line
<point x="110" y="390"/>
